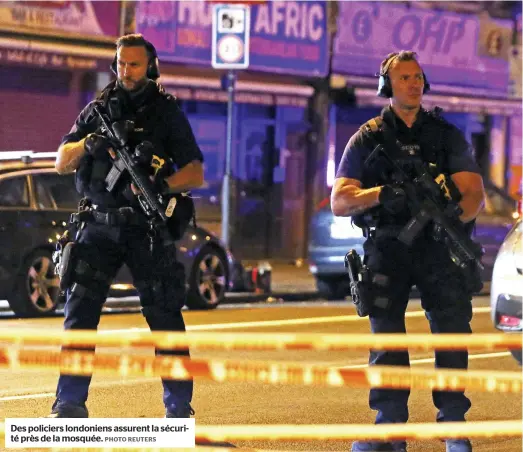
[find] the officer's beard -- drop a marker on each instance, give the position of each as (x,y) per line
(139,85)
(137,97)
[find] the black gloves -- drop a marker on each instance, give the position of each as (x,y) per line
(393,198)
(143,153)
(96,145)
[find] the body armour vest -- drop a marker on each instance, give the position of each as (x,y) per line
(426,146)
(148,114)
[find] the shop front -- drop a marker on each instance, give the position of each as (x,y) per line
(272,148)
(269,165)
(48,69)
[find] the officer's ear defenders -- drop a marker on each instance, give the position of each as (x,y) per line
(153,69)
(384,85)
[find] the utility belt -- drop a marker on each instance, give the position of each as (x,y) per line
(383,231)
(393,231)
(373,225)
(123,216)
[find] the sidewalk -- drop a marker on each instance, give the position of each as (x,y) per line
(291,282)
(288,282)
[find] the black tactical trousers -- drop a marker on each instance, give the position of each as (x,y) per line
(159,278)
(448,307)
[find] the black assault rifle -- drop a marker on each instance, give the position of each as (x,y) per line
(152,202)
(428,204)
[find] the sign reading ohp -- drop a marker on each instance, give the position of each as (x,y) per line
(454,49)
(230,36)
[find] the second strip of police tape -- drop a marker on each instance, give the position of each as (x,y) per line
(264,341)
(125,364)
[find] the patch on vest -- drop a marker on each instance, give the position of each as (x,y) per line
(411,149)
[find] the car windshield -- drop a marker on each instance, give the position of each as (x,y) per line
(14,192)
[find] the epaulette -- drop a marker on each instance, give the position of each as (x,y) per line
(103,96)
(163,92)
(435,114)
(372,125)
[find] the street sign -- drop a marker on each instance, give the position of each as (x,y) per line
(230,36)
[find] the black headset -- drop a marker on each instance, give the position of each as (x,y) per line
(384,85)
(153,68)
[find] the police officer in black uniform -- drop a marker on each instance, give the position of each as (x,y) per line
(116,230)
(378,205)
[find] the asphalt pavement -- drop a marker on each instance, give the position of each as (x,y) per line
(290,281)
(30,394)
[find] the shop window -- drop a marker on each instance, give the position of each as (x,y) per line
(257,111)
(44,81)
(211,134)
(205,108)
(88,88)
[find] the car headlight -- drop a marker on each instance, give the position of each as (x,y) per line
(342,228)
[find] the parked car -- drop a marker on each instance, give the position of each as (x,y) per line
(506,293)
(35,207)
(331,237)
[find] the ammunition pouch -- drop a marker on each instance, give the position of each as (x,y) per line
(83,174)
(91,173)
(473,279)
(366,220)
(471,272)
(184,213)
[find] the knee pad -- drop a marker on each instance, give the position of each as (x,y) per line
(166,291)
(163,319)
(161,295)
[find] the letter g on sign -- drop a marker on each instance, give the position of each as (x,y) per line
(361,26)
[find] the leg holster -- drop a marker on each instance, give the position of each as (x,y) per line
(66,264)
(73,268)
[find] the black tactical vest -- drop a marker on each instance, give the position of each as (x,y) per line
(150,125)
(428,147)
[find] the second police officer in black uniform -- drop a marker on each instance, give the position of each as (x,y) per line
(378,205)
(116,230)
